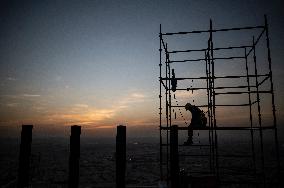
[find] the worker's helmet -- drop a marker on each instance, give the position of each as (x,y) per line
(188,106)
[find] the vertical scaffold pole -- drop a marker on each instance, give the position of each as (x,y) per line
(259,112)
(272,94)
(209,110)
(169,88)
(169,85)
(24,159)
(160,108)
(167,106)
(74,156)
(174,156)
(214,100)
(120,156)
(250,113)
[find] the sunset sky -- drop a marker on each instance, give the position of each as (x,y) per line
(95,63)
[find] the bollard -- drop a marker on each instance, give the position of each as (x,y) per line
(24,159)
(174,159)
(74,156)
(120,156)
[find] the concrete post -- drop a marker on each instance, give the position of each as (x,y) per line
(74,156)
(120,156)
(174,159)
(24,159)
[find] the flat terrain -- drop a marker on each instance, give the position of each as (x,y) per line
(97,162)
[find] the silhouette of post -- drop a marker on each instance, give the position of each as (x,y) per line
(74,156)
(120,156)
(25,153)
(174,159)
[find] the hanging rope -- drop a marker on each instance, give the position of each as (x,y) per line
(179,111)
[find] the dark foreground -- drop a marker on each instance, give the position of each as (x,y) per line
(97,162)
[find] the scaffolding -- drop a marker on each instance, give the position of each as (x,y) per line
(248,89)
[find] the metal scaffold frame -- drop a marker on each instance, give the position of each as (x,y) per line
(252,88)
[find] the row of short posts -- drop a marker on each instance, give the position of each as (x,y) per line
(74,156)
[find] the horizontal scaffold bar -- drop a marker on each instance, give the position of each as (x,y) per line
(201,106)
(203,59)
(222,128)
(255,43)
(206,49)
(161,81)
(214,30)
(181,106)
(241,92)
(264,79)
(215,77)
(188,60)
(224,87)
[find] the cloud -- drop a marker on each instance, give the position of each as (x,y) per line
(25,96)
(21,95)
(105,126)
(11,78)
(12,104)
(30,95)
(132,98)
(39,108)
(137,95)
(58,78)
(85,115)
(81,105)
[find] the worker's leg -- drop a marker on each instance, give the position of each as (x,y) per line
(189,138)
(190,134)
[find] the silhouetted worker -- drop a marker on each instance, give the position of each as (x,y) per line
(174,81)
(198,120)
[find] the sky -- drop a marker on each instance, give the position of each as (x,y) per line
(95,63)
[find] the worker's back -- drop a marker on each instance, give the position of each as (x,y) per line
(198,116)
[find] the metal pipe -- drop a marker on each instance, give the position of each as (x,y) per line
(203,59)
(160,99)
(212,31)
(219,77)
(223,128)
(204,49)
(259,115)
(272,95)
(167,107)
(208,111)
(214,99)
(250,114)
